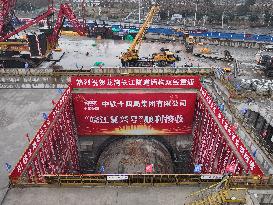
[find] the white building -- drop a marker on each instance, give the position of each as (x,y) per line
(91,3)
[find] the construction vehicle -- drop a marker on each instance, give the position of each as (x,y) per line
(266,63)
(131,57)
(190,43)
(225,56)
(164,57)
(35,47)
(204,51)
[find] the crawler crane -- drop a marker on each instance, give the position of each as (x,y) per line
(36,47)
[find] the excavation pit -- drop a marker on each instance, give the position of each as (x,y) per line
(104,126)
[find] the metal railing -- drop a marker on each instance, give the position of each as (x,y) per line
(107,71)
(265,182)
(236,195)
(50,78)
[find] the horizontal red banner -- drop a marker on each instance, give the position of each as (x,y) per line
(134,114)
(186,82)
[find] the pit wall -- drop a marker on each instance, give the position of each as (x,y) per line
(53,150)
(215,143)
(210,149)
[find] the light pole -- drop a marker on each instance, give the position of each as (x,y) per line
(139,11)
(204,20)
(223,19)
(195,14)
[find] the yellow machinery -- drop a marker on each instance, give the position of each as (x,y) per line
(203,48)
(164,57)
(17,46)
(131,57)
(219,193)
(190,42)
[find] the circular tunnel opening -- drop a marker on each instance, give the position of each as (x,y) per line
(131,155)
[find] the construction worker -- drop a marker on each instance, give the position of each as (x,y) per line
(27,67)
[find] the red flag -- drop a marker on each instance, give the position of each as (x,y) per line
(234,127)
(149,168)
(230,168)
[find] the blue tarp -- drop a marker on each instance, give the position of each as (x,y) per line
(219,35)
(164,31)
(236,36)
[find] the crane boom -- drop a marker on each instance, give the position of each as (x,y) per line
(6,7)
(66,11)
(144,27)
(131,56)
(49,12)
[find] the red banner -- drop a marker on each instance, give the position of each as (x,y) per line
(134,114)
(216,149)
(21,165)
(38,170)
(234,138)
(210,146)
(135,82)
(231,168)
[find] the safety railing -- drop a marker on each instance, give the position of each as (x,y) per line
(237,196)
(229,190)
(107,71)
(265,182)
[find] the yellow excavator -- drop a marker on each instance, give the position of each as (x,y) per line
(190,43)
(131,57)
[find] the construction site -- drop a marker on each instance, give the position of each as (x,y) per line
(94,111)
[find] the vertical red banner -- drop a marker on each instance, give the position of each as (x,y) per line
(221,157)
(234,139)
(38,171)
(210,146)
(30,174)
(216,149)
(226,157)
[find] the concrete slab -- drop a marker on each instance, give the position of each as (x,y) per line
(100,195)
(20,113)
(108,51)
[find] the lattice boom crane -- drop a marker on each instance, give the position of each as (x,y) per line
(65,11)
(39,47)
(6,9)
